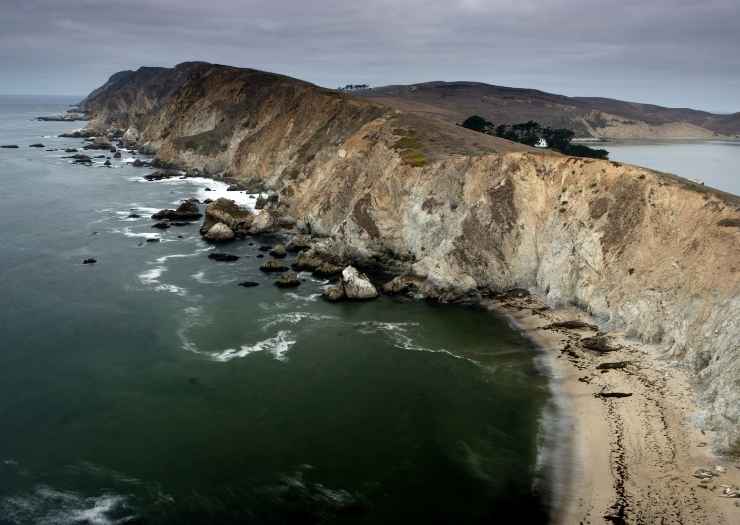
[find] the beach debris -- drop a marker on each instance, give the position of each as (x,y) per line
(603,393)
(704,473)
(614,365)
(719,469)
(729,491)
(598,343)
(572,324)
(613,394)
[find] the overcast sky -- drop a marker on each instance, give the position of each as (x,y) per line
(683,53)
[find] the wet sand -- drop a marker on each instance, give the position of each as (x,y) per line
(631,447)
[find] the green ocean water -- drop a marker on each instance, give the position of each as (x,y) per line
(150,388)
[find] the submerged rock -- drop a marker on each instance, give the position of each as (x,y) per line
(81,159)
(288,280)
(161,175)
(248,284)
(223,257)
(37,145)
(89,261)
(9,146)
(161,225)
(272,266)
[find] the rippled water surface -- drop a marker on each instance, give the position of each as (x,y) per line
(151,388)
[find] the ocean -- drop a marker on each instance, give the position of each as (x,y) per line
(151,388)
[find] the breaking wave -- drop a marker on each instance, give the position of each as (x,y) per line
(398,334)
(277,345)
(294,318)
(151,278)
(48,506)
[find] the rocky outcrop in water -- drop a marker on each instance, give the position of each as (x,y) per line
(460,214)
(187,211)
(219,232)
(352,285)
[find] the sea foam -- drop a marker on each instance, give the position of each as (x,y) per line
(48,506)
(278,346)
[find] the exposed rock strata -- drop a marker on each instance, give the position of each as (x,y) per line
(461,213)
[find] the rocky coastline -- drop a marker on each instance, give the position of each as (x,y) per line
(625,276)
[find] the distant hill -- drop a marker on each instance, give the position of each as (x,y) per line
(592,117)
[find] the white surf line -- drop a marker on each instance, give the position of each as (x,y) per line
(400,339)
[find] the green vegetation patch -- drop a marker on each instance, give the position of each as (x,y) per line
(409,148)
(531,133)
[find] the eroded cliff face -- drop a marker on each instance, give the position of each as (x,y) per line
(644,252)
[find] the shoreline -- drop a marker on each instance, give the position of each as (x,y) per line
(609,461)
(626,459)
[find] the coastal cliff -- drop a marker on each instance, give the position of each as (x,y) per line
(461,214)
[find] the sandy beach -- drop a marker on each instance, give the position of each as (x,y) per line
(632,448)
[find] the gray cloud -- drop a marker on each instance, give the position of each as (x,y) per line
(672,52)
